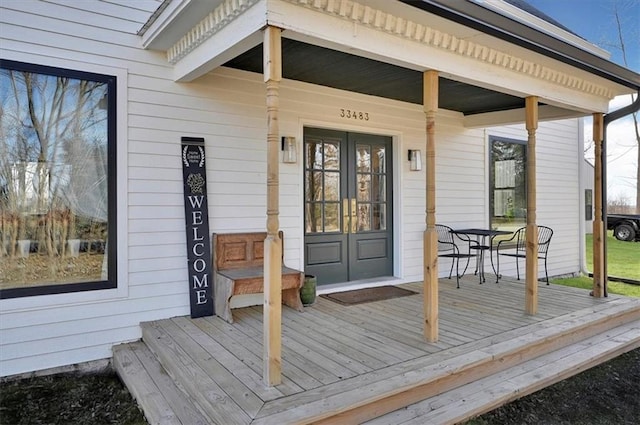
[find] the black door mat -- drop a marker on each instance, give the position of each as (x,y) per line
(368,295)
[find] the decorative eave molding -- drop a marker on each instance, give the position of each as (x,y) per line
(220,17)
(385,22)
(391,24)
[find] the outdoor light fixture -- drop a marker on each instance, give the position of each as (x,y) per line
(289,150)
(415,160)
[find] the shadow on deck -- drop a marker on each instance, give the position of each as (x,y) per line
(369,363)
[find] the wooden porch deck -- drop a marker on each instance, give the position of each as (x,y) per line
(369,362)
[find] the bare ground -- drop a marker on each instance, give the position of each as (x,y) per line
(606,394)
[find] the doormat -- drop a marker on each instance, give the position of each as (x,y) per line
(367,295)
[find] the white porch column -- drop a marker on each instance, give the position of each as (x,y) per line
(598,224)
(272,320)
(430,245)
(531,297)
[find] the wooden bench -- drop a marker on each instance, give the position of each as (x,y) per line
(238,268)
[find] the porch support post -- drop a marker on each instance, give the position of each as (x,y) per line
(430,245)
(531,296)
(598,224)
(272,319)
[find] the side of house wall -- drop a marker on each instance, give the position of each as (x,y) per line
(227,108)
(558,189)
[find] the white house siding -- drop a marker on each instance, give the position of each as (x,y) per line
(558,159)
(227,108)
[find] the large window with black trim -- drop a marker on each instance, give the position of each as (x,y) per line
(57,180)
(508,178)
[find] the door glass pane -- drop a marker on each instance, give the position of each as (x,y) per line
(313,217)
(378,159)
(322,187)
(332,217)
(364,187)
(363,158)
(313,153)
(379,217)
(313,189)
(331,156)
(379,191)
(331,186)
(364,217)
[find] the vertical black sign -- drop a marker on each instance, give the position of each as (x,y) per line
(196,214)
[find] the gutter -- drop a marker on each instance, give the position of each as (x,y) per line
(608,119)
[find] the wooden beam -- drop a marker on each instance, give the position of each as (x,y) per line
(430,245)
(598,223)
(272,320)
(531,296)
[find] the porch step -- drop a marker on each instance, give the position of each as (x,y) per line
(493,391)
(176,378)
(161,400)
(368,396)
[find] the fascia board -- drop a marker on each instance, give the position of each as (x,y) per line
(240,35)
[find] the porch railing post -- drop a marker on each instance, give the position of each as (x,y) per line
(430,245)
(598,224)
(531,296)
(272,312)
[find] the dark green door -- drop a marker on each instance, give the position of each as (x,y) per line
(348,208)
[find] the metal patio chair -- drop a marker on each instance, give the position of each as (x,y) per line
(448,247)
(519,250)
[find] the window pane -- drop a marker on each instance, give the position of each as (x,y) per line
(364,187)
(53,178)
(313,219)
(379,217)
(364,217)
(379,190)
(332,217)
(331,186)
(313,151)
(331,156)
(363,158)
(313,186)
(378,159)
(508,197)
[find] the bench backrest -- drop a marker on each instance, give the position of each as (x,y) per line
(239,250)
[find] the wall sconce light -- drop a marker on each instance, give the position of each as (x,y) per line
(415,160)
(289,150)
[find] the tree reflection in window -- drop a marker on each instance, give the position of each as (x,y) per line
(54,178)
(322,186)
(508,195)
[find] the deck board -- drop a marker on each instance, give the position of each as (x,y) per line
(207,392)
(334,354)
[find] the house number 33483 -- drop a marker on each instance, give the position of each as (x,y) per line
(354,115)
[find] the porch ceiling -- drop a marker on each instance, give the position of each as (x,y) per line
(326,67)
(380,48)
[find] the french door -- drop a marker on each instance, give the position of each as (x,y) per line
(348,205)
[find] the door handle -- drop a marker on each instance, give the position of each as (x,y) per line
(345,216)
(354,216)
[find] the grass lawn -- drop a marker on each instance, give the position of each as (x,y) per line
(623,258)
(623,261)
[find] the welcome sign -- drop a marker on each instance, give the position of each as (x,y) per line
(196,214)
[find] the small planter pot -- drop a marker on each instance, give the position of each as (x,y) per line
(308,290)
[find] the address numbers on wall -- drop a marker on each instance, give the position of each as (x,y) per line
(354,115)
